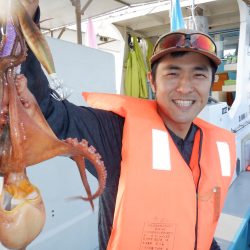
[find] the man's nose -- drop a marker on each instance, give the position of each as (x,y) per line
(185,84)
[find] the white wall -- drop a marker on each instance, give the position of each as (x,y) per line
(71,225)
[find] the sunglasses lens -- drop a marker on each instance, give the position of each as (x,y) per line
(197,41)
(171,41)
(203,42)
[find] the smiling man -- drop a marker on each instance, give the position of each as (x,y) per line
(182,84)
(167,171)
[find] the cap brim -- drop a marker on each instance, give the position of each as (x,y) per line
(164,52)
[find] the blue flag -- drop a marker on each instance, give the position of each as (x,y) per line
(177,21)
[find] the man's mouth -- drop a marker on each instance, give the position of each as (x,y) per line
(184,103)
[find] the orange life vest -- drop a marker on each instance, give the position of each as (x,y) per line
(162,203)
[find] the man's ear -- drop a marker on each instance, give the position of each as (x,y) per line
(152,83)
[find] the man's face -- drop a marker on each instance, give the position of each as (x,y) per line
(182,86)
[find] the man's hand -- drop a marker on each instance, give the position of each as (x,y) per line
(30,6)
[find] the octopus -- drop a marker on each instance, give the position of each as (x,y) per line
(25,136)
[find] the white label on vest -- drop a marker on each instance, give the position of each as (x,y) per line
(224,154)
(161,154)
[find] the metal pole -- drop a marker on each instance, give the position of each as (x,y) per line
(86,6)
(61,32)
(123,2)
(77,4)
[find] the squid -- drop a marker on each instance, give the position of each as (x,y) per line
(25,136)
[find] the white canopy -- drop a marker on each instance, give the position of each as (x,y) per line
(62,12)
(221,14)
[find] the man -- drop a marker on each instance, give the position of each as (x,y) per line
(166,175)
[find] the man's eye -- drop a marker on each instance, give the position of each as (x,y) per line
(172,74)
(200,75)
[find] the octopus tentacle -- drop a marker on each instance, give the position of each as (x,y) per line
(90,153)
(3,104)
(17,56)
(81,166)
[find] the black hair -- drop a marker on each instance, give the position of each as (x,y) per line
(180,54)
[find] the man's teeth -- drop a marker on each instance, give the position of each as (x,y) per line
(183,103)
